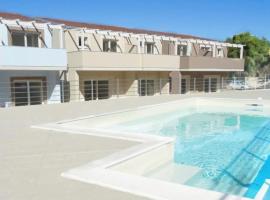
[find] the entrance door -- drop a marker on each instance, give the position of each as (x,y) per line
(27,92)
(206,84)
(20,93)
(214,84)
(103,89)
(210,84)
(183,86)
(96,89)
(90,92)
(146,87)
(35,92)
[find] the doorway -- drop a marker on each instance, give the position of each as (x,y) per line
(210,84)
(146,87)
(96,89)
(27,92)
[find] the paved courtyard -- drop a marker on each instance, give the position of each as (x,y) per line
(32,160)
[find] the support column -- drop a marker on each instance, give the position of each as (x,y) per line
(75,86)
(241,52)
(176,82)
(130,84)
(189,48)
(214,50)
(139,45)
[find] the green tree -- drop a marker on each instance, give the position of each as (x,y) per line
(256,52)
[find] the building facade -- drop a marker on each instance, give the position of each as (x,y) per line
(31,60)
(61,60)
(109,61)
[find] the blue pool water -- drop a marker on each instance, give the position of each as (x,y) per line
(231,150)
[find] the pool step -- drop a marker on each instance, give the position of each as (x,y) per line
(172,172)
(253,158)
(263,174)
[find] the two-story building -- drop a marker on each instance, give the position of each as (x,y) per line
(32,58)
(46,60)
(109,61)
(205,65)
(105,62)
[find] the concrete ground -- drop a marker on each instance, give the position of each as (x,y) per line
(31,160)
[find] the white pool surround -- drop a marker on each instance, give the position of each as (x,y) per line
(123,170)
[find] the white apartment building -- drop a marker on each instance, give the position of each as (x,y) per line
(99,62)
(32,58)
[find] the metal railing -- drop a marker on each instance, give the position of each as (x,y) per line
(33,92)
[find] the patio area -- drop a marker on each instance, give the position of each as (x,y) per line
(32,159)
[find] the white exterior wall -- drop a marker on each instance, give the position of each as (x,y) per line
(48,38)
(53,87)
(3,35)
(30,58)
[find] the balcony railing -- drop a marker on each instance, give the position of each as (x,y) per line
(87,60)
(30,58)
(200,63)
(111,61)
(23,94)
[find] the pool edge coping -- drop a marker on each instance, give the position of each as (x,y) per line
(150,143)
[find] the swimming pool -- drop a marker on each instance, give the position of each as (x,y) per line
(228,148)
(218,146)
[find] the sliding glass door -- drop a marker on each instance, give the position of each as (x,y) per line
(146,87)
(210,84)
(27,92)
(96,89)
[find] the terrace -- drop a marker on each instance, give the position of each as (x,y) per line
(35,158)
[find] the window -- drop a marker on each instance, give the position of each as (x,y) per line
(24,39)
(146,87)
(82,41)
(106,45)
(32,40)
(27,92)
(210,84)
(182,50)
(17,39)
(149,48)
(183,86)
(85,40)
(219,52)
(110,45)
(96,89)
(206,48)
(113,46)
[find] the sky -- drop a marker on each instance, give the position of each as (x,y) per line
(215,19)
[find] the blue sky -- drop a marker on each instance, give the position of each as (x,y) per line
(217,19)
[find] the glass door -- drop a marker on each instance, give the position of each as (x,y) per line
(90,90)
(20,91)
(150,87)
(146,87)
(35,92)
(142,87)
(183,86)
(206,83)
(210,84)
(27,92)
(103,89)
(214,84)
(96,89)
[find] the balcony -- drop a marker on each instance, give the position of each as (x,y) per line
(211,64)
(29,58)
(109,61)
